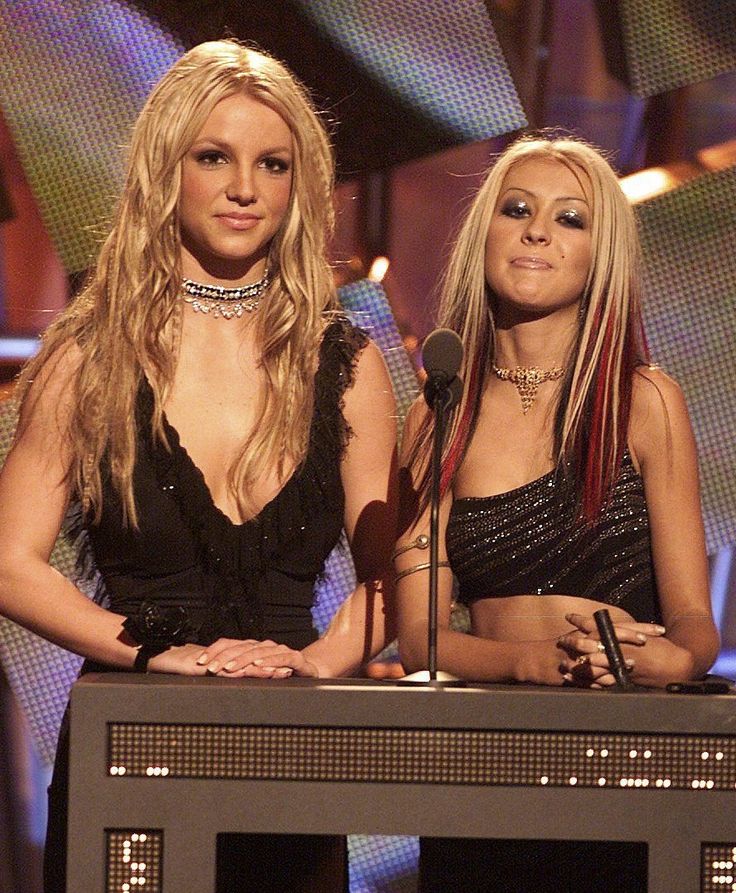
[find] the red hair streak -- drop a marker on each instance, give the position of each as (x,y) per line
(457,447)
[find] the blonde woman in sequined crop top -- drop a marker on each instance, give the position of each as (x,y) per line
(569,475)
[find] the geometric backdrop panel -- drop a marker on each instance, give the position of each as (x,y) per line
(689,243)
(441,58)
(75,75)
(669,43)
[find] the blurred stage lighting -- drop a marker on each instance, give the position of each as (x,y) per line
(378,269)
(653,181)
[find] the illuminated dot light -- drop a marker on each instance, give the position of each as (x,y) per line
(135,865)
(579,769)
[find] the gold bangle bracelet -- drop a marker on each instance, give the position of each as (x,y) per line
(418,567)
(421,542)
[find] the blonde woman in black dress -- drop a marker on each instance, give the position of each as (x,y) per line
(217,418)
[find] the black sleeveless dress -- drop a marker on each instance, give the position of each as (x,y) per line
(252,580)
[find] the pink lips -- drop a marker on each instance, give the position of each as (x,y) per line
(239,221)
(531,263)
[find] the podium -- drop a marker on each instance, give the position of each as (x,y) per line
(159,765)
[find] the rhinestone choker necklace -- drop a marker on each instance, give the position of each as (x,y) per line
(224,302)
(526,380)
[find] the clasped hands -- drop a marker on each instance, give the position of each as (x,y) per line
(234,659)
(586,664)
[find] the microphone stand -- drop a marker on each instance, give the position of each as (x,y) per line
(441,396)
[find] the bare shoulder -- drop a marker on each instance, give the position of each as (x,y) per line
(659,415)
(371,392)
(370,362)
(49,396)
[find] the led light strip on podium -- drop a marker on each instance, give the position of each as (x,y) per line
(161,764)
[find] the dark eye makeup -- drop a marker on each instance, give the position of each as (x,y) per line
(276,165)
(517,208)
(573,218)
(210,157)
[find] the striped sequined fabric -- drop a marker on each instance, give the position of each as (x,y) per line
(528,541)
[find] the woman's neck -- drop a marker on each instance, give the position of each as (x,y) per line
(543,341)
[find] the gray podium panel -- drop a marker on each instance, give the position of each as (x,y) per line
(161,764)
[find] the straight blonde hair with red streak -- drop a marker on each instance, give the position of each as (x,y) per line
(592,415)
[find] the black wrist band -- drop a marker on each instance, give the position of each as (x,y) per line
(157,629)
(144,654)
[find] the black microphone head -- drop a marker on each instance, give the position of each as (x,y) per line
(442,354)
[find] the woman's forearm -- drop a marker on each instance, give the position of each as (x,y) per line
(483,660)
(361,627)
(699,637)
(38,597)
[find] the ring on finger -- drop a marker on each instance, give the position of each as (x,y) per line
(601,647)
(583,660)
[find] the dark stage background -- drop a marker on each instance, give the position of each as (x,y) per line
(421,94)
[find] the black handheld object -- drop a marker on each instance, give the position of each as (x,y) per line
(613,650)
(442,354)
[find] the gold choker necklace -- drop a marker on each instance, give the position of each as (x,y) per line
(526,380)
(224,302)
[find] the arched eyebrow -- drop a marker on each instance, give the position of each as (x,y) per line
(561,198)
(226,145)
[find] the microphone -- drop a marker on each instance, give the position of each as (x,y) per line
(442,354)
(613,650)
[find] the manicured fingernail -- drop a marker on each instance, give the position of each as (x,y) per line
(640,637)
(660,629)
(202,659)
(282,672)
(229,665)
(629,663)
(567,677)
(214,666)
(259,662)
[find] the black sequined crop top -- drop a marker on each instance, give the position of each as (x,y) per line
(528,541)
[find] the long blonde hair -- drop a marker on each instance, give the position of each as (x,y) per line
(592,416)
(126,320)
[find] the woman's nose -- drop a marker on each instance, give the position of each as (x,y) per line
(536,232)
(241,188)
